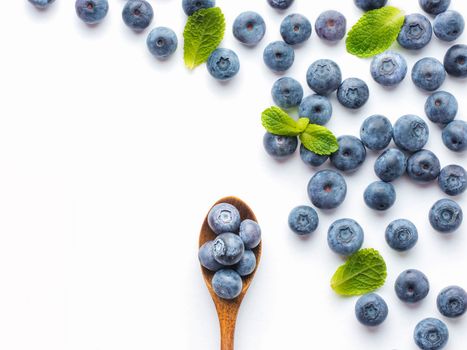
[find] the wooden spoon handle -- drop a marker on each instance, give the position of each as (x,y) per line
(227,324)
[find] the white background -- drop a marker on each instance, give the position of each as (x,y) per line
(110,159)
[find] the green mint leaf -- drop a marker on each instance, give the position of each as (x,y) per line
(278,122)
(362,273)
(319,140)
(203,33)
(375,31)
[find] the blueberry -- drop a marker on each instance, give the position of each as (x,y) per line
(423,166)
(227,284)
(247,264)
(452,302)
(388,68)
(441,107)
(353,93)
(327,189)
(41,4)
(390,165)
(137,14)
(380,195)
(449,25)
(280,146)
(331,25)
(206,257)
(224,217)
(401,235)
(191,6)
(162,42)
(455,136)
(455,61)
(228,249)
(223,64)
(249,28)
(91,11)
(434,7)
(303,220)
(371,310)
(311,158)
(324,76)
(416,32)
(350,155)
(295,29)
(431,334)
(280,4)
(278,56)
(428,74)
(446,216)
(411,133)
(453,180)
(345,237)
(250,233)
(317,108)
(376,132)
(367,5)
(412,286)
(287,92)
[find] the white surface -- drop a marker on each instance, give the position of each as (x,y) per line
(110,159)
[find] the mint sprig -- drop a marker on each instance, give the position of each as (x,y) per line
(203,33)
(278,122)
(375,31)
(315,138)
(319,140)
(363,272)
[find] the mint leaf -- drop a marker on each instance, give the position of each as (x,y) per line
(362,273)
(278,122)
(318,139)
(203,33)
(375,31)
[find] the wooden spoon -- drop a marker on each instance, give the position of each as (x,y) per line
(227,310)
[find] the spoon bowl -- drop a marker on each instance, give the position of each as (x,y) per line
(227,310)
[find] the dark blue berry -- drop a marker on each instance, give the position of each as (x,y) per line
(350,155)
(423,166)
(345,237)
(380,195)
(412,286)
(401,235)
(416,32)
(446,216)
(317,108)
(137,14)
(280,146)
(390,165)
(295,29)
(278,56)
(287,93)
(327,189)
(353,93)
(452,180)
(249,28)
(376,132)
(303,220)
(371,310)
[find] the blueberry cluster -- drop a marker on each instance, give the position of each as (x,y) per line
(327,189)
(230,255)
(411,287)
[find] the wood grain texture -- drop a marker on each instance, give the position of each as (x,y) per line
(227,310)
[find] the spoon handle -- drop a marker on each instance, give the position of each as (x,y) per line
(227,324)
